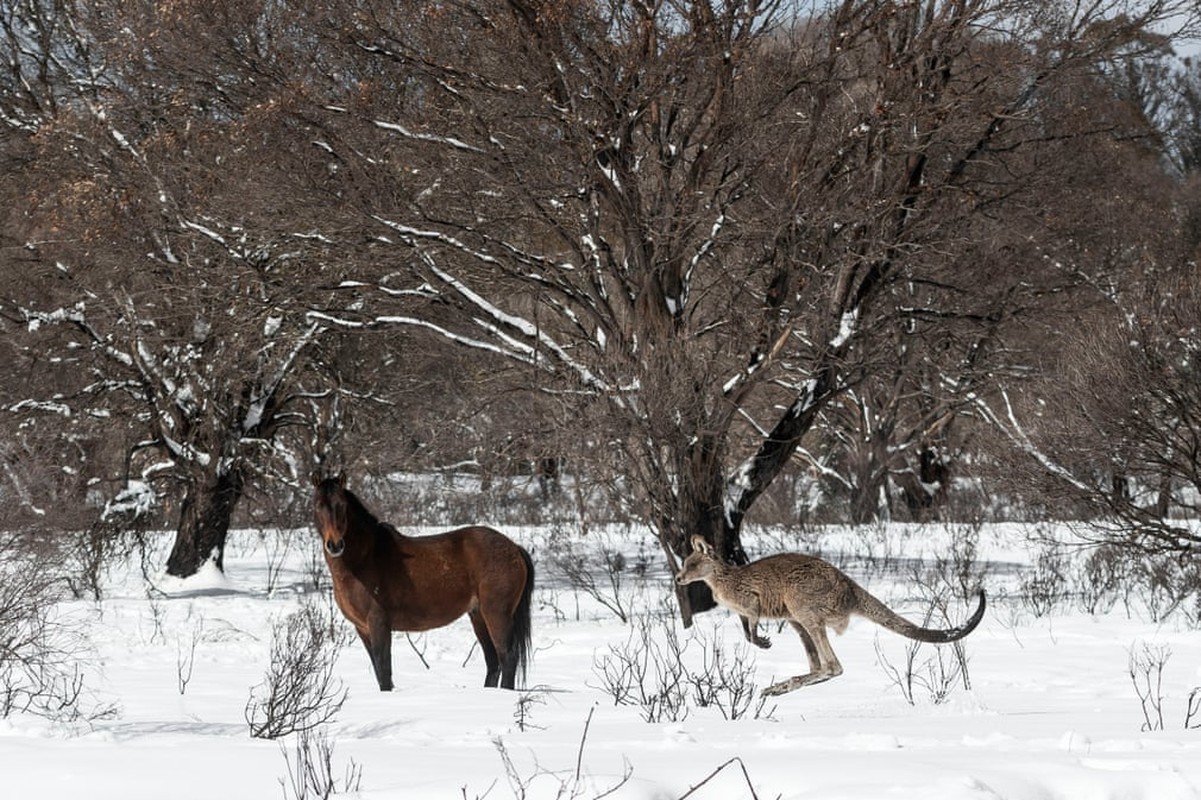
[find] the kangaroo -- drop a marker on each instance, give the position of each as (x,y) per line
(812,595)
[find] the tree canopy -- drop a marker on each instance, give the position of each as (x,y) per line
(706,242)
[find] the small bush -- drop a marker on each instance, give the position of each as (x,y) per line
(1103,579)
(1045,586)
(651,670)
(940,671)
(310,765)
(299,692)
(604,578)
(1146,667)
(1168,583)
(40,653)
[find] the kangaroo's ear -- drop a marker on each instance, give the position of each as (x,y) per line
(699,545)
(315,477)
(341,478)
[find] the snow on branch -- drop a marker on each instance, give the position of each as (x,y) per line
(182,451)
(75,316)
(137,499)
(449,141)
(737,487)
(206,232)
(382,321)
(523,326)
(120,138)
(418,234)
(706,247)
(258,403)
(45,406)
(758,362)
(502,320)
(1016,434)
(847,326)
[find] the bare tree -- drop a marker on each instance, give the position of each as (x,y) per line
(698,216)
(1120,438)
(155,247)
(1107,428)
(687,227)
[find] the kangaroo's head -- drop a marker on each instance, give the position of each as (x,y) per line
(700,564)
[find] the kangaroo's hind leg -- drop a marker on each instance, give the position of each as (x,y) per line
(823,664)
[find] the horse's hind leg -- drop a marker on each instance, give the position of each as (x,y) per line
(508,676)
(497,628)
(504,600)
(491,657)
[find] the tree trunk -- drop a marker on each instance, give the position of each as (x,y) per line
(1163,498)
(700,511)
(707,522)
(204,520)
(869,497)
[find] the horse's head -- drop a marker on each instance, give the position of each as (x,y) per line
(331,512)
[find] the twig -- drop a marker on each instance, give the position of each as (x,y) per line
(185,661)
(746,776)
(1146,673)
(579,757)
(1194,709)
(421,655)
(469,654)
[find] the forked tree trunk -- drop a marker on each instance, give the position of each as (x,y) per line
(675,536)
(718,502)
(701,511)
(204,520)
(696,598)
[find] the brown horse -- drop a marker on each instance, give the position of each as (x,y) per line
(385,581)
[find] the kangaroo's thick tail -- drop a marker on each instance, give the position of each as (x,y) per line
(881,614)
(519,641)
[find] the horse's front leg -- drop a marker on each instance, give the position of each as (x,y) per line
(378,642)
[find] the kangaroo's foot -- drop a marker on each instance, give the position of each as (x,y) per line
(796,682)
(761,641)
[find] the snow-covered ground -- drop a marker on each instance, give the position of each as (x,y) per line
(1051,712)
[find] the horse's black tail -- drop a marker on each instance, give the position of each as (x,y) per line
(519,641)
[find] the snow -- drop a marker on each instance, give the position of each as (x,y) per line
(136,500)
(205,231)
(846,328)
(264,393)
(737,487)
(209,579)
(1051,713)
(611,175)
(806,398)
(61,409)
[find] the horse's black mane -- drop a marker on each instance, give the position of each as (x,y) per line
(357,509)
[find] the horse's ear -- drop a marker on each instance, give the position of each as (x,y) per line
(699,545)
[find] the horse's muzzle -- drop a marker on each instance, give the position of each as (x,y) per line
(334,547)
